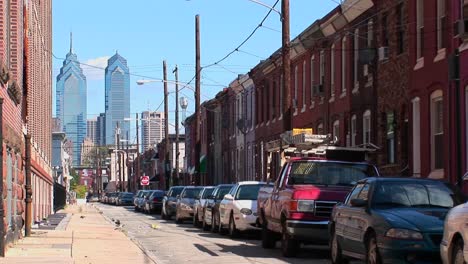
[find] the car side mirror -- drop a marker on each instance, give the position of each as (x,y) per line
(358,203)
(178,197)
(228,197)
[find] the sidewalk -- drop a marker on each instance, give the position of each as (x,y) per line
(88,238)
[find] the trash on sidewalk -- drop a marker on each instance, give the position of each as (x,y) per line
(154,226)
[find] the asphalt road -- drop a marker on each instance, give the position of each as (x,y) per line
(168,242)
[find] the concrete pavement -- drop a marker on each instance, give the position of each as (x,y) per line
(88,238)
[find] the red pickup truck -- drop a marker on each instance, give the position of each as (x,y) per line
(297,209)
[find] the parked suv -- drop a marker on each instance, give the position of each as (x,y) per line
(299,207)
(170,201)
(186,202)
(211,214)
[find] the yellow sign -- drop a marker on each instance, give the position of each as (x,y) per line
(298,131)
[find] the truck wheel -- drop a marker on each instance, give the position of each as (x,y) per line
(268,239)
(289,246)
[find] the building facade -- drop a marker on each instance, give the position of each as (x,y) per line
(71,104)
(117,97)
(101,129)
(92,130)
(152,128)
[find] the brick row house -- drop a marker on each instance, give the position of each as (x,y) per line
(26,91)
(370,72)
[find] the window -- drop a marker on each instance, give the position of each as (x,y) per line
(295,88)
(353,130)
(416,136)
(281,95)
(400,28)
(385,30)
(312,77)
(364,194)
(437,130)
(366,126)
(336,129)
(322,67)
(304,84)
(419,28)
(274,108)
(343,65)
(320,129)
(370,33)
(441,24)
(354,193)
(390,138)
(332,71)
(465,18)
(356,54)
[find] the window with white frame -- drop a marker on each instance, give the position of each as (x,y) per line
(356,54)
(353,130)
(332,71)
(441,23)
(336,129)
(419,28)
(322,67)
(343,65)
(312,77)
(320,129)
(304,75)
(366,127)
(295,87)
(370,33)
(437,130)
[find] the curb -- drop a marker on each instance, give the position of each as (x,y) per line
(64,223)
(148,253)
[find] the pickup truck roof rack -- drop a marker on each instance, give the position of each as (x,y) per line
(319,146)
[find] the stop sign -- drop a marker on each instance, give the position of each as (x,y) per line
(144,180)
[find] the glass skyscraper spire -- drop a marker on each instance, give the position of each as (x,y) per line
(71,102)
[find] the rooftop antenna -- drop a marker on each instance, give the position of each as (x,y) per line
(71,41)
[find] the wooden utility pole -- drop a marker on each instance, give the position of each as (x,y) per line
(137,178)
(287,115)
(176,71)
(167,171)
(197,101)
(118,156)
(129,188)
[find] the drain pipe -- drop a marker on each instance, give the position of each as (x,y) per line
(2,226)
(28,200)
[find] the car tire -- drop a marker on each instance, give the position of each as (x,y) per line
(289,246)
(233,232)
(136,208)
(214,226)
(336,252)
(221,229)
(163,214)
(372,254)
(195,220)
(177,219)
(457,253)
(268,238)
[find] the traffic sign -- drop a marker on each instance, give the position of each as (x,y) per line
(144,180)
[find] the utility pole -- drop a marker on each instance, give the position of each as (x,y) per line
(454,74)
(176,70)
(287,118)
(166,130)
(126,166)
(28,211)
(197,101)
(118,156)
(137,178)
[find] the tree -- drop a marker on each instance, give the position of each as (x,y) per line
(75,181)
(80,191)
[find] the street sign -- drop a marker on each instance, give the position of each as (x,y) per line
(144,180)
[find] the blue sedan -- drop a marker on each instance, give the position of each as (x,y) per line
(392,220)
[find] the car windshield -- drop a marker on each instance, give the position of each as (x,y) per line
(248,192)
(223,191)
(176,191)
(158,194)
(329,173)
(414,194)
(207,192)
(191,192)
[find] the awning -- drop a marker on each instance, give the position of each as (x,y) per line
(203,161)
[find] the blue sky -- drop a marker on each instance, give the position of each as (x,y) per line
(146,32)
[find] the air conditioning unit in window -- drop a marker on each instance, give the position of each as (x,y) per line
(318,89)
(383,53)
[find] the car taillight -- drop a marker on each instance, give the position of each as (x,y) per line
(155,199)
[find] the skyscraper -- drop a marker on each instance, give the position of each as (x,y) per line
(101,129)
(71,102)
(117,97)
(152,128)
(92,130)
